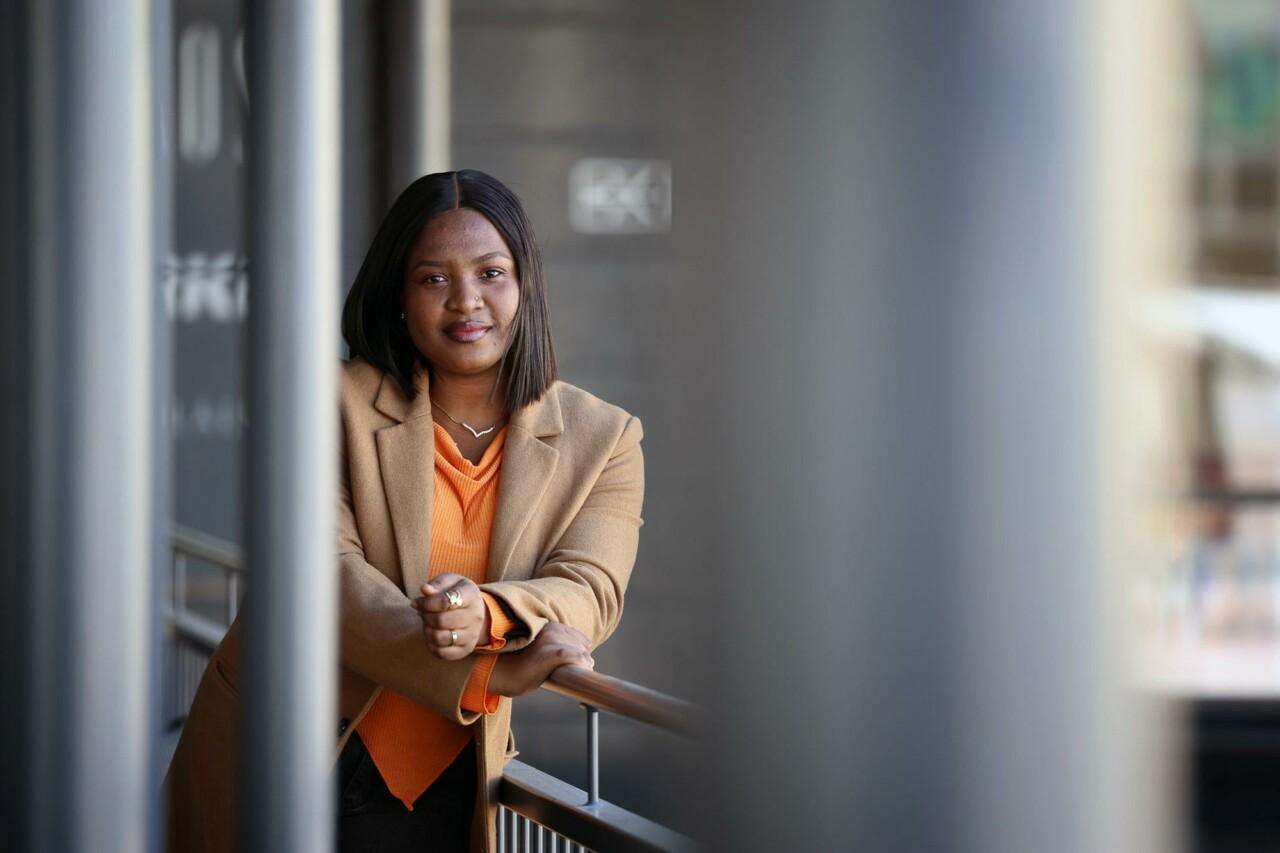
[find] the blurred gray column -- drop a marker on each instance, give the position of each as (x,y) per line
(889,320)
(89,230)
(419,111)
(111,296)
(291,606)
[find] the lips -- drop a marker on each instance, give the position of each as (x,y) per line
(466,331)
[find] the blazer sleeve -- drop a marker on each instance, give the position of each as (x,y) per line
(381,634)
(583,579)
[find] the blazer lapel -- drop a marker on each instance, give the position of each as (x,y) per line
(406,455)
(406,458)
(528,463)
(527,466)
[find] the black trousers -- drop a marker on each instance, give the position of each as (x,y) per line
(370,818)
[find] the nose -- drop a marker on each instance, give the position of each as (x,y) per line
(464,295)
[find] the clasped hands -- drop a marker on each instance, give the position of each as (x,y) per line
(455,620)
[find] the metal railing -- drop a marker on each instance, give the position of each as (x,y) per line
(537,812)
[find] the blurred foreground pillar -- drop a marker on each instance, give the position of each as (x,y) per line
(291,607)
(79,468)
(893,332)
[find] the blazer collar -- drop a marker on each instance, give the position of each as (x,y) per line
(407,462)
(542,418)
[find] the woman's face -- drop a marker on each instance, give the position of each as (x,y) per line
(461,293)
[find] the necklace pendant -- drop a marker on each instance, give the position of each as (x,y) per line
(468,427)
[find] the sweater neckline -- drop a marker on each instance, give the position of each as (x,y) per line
(447,449)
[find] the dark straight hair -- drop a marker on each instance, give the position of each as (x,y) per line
(371,321)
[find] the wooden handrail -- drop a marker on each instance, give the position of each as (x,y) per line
(624,699)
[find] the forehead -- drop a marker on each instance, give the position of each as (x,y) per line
(460,235)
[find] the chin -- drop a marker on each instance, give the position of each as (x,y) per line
(469,367)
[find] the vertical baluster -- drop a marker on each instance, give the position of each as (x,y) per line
(233,594)
(593,755)
(179,582)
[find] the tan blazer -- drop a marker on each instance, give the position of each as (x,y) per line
(564,542)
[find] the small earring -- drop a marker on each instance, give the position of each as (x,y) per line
(401,315)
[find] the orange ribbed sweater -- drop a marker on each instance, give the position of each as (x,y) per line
(411,745)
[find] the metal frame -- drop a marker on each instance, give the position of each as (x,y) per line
(597,825)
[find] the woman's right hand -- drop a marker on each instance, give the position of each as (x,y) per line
(518,673)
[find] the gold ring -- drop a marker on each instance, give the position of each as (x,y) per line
(455,599)
(453,638)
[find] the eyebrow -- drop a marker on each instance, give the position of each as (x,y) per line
(490,255)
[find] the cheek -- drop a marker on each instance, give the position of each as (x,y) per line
(422,310)
(506,305)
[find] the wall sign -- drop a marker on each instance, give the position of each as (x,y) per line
(616,196)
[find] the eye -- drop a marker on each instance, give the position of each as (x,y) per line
(493,272)
(434,278)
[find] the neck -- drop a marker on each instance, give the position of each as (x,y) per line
(469,398)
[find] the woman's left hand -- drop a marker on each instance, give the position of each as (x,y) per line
(454,617)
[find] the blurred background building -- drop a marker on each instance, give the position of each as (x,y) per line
(953,330)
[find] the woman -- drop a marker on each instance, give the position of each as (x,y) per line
(489,516)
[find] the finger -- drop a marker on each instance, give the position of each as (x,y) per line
(439,600)
(449,652)
(441,582)
(570,653)
(578,636)
(436,603)
(456,619)
(444,580)
(445,639)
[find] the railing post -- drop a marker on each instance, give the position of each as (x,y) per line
(233,596)
(179,583)
(593,754)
